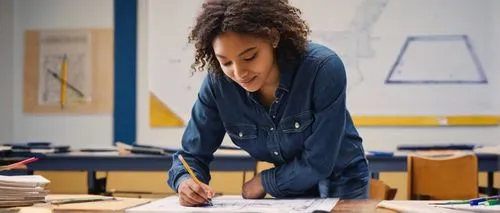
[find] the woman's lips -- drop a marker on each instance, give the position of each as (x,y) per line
(248,82)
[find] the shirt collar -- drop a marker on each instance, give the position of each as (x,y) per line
(287,72)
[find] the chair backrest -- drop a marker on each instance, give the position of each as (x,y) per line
(381,191)
(442,175)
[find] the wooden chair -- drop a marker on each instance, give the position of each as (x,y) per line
(442,175)
(381,191)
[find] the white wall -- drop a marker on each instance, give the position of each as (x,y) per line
(495,47)
(77,131)
(169,137)
(376,138)
(385,138)
(6,48)
(80,131)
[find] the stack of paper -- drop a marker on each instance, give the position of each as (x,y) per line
(22,190)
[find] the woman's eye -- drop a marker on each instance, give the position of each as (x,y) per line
(226,64)
(250,58)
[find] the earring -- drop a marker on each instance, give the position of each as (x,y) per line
(275,44)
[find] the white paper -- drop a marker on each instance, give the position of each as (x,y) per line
(416,206)
(23,180)
(469,208)
(4,148)
(231,152)
(76,45)
(230,203)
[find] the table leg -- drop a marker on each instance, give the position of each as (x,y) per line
(489,186)
(375,175)
(91,181)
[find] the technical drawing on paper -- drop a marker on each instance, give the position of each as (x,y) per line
(437,59)
(354,43)
(229,203)
(54,46)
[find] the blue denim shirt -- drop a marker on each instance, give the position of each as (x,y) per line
(307,133)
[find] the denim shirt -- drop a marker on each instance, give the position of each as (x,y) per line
(307,132)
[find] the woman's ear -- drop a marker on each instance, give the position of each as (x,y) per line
(274,36)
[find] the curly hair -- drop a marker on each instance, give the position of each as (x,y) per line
(251,17)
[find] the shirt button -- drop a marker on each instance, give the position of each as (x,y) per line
(276,101)
(274,116)
(272,129)
(297,125)
(275,153)
(240,134)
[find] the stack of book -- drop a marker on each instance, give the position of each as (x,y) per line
(22,190)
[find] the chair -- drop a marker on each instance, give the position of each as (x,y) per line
(381,191)
(442,175)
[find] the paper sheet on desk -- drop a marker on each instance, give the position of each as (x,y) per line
(231,152)
(469,208)
(238,204)
(405,206)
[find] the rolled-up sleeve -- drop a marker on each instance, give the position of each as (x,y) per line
(317,160)
(201,138)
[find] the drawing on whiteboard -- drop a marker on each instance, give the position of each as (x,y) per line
(437,59)
(354,43)
(53,47)
(232,203)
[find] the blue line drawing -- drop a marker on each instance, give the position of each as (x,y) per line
(437,59)
(354,43)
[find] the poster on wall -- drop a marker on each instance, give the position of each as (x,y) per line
(68,71)
(65,59)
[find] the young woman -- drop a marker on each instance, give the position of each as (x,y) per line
(279,97)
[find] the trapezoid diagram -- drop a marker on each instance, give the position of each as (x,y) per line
(437,59)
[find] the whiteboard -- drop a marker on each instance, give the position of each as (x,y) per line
(402,57)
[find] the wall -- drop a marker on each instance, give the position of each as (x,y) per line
(97,130)
(6,47)
(145,134)
(380,138)
(495,47)
(77,131)
(387,138)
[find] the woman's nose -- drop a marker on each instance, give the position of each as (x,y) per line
(240,72)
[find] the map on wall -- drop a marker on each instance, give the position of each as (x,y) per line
(402,57)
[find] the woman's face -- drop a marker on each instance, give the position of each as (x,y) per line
(247,60)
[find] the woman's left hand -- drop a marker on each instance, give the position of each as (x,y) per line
(253,189)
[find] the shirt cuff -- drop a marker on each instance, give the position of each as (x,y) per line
(268,179)
(180,180)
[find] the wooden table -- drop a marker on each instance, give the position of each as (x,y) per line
(362,206)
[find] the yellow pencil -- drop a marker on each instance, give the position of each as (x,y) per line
(64,77)
(191,173)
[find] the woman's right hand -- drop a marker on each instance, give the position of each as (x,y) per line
(193,194)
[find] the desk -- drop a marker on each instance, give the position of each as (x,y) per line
(113,162)
(92,162)
(360,206)
(489,163)
(342,206)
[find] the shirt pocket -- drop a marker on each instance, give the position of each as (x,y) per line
(241,132)
(297,123)
(295,129)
